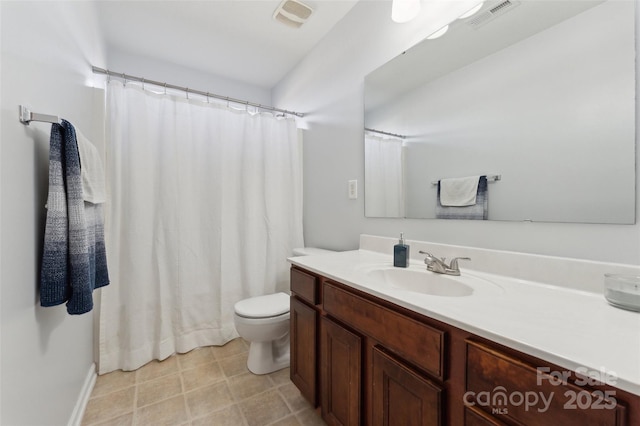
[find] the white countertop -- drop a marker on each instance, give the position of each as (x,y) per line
(577,330)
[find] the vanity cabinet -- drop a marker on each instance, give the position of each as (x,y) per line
(376,363)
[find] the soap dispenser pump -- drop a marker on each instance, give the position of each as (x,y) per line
(401,253)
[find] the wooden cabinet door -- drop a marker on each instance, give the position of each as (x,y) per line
(401,396)
(341,366)
(303,321)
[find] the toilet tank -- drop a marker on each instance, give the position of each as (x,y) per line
(310,251)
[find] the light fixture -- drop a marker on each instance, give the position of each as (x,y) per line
(404,10)
(471,11)
(438,33)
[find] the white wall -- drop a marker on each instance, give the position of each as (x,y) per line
(47,52)
(154,69)
(328,85)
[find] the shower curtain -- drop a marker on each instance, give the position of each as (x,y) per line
(205,205)
(384,176)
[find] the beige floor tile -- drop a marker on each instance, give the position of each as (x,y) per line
(156,390)
(230,416)
(209,398)
(234,365)
(170,412)
(248,385)
(126,420)
(264,408)
(109,406)
(293,397)
(280,377)
(205,387)
(287,421)
(156,369)
(309,417)
(113,381)
(234,347)
(196,357)
(202,375)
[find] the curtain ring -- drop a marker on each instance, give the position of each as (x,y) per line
(124,77)
(187,90)
(143,84)
(207,97)
(165,88)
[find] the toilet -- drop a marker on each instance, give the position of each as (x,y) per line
(264,322)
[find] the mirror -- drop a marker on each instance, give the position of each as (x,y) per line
(539,93)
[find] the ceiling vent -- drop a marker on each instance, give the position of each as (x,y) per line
(292,13)
(492,13)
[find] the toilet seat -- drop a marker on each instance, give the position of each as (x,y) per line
(270,305)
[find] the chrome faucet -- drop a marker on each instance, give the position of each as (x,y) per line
(439,266)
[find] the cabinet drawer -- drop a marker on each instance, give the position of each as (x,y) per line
(414,341)
(516,391)
(304,285)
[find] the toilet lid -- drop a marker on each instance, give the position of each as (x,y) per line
(267,306)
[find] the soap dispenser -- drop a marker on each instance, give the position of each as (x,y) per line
(401,253)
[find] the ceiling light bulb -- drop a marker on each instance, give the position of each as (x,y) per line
(471,11)
(404,10)
(439,33)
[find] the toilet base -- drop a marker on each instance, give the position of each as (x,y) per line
(267,357)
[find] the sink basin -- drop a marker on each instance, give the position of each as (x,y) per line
(419,280)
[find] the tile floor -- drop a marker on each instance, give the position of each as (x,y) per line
(207,386)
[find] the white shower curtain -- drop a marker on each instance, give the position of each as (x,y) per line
(384,176)
(205,205)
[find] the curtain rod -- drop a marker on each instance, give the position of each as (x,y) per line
(98,70)
(385,133)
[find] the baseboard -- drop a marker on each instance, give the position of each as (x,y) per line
(83,399)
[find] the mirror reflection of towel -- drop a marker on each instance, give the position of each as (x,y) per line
(477,211)
(459,192)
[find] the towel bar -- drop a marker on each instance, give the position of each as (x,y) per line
(26,116)
(490,178)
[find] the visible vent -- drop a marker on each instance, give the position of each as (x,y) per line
(491,14)
(292,13)
(501,6)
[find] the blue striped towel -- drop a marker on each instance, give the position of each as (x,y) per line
(74,260)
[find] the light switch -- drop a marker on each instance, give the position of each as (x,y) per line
(353,189)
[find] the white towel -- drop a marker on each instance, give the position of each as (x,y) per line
(459,192)
(92,171)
